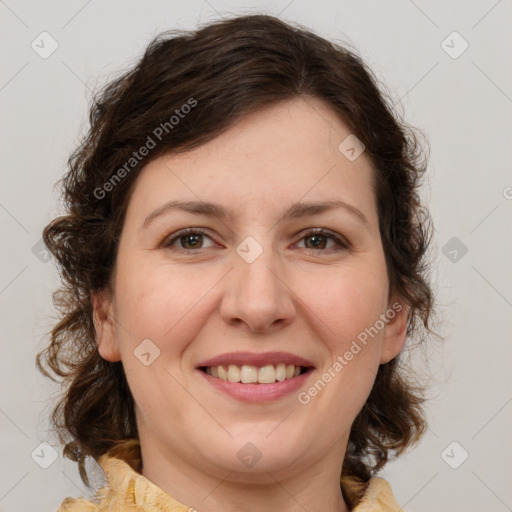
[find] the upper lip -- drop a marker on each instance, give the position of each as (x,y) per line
(250,358)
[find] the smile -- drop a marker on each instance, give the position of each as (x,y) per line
(250,374)
(256,392)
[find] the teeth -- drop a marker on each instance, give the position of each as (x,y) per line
(249,374)
(267,374)
(223,374)
(281,372)
(233,373)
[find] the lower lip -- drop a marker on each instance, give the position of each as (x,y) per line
(258,392)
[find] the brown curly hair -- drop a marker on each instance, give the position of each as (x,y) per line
(229,68)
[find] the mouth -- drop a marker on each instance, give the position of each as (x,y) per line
(252,374)
(256,377)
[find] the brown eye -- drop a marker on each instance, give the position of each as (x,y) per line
(191,241)
(319,239)
(187,240)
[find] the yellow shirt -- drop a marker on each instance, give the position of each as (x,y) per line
(129,491)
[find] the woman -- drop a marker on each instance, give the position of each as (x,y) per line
(243,258)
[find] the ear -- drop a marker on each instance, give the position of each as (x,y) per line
(104,325)
(396,330)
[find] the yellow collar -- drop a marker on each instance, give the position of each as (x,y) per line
(128,490)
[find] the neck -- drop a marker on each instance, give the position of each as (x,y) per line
(314,488)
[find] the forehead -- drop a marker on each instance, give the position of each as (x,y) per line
(269,159)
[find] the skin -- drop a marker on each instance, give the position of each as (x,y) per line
(311,300)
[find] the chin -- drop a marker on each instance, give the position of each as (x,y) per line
(252,455)
(248,465)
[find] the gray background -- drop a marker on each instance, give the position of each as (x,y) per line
(463,102)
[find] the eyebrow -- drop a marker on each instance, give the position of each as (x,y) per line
(295,211)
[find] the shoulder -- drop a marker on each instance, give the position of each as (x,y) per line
(104,501)
(78,505)
(127,490)
(372,496)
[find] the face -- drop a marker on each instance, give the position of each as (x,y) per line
(261,281)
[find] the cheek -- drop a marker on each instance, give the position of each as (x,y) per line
(351,309)
(162,305)
(152,301)
(349,301)
(353,306)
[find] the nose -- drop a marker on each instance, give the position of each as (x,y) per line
(257,296)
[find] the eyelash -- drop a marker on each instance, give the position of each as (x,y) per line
(342,243)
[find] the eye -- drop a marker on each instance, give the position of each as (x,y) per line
(319,238)
(190,239)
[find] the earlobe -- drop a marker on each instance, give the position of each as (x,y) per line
(103,318)
(396,330)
